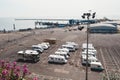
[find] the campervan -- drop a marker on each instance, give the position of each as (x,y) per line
(84,46)
(96,66)
(46,43)
(91,50)
(37,48)
(70,47)
(62,54)
(90,59)
(56,59)
(89,53)
(29,55)
(73,44)
(63,50)
(44,46)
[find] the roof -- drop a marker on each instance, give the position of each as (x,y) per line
(89,57)
(56,56)
(102,25)
(96,63)
(90,45)
(90,53)
(58,52)
(28,52)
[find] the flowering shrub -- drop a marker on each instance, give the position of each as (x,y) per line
(11,71)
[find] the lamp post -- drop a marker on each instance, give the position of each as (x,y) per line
(88,24)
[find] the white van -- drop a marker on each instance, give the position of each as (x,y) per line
(63,50)
(70,47)
(90,59)
(56,59)
(47,43)
(96,66)
(44,46)
(73,44)
(90,46)
(29,55)
(91,50)
(37,48)
(62,54)
(89,53)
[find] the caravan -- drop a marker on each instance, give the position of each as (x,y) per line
(57,59)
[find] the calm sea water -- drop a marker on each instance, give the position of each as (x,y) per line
(7,24)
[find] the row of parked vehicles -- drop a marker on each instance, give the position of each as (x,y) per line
(93,62)
(33,54)
(63,53)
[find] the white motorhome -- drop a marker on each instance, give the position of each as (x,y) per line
(38,48)
(91,50)
(89,53)
(28,55)
(73,44)
(96,66)
(44,46)
(70,47)
(46,43)
(62,54)
(90,46)
(63,50)
(56,59)
(90,59)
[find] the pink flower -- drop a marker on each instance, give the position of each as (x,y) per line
(17,69)
(25,70)
(4,72)
(35,78)
(24,66)
(8,66)
(14,64)
(2,63)
(17,74)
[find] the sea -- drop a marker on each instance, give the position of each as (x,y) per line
(8,24)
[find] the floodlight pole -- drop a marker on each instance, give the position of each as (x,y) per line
(87,51)
(88,24)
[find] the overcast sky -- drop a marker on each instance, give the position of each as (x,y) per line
(59,8)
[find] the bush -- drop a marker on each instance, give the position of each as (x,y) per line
(11,71)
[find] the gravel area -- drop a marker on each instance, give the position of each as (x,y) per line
(10,43)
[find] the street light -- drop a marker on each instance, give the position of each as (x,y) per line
(88,15)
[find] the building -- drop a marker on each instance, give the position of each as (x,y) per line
(102,28)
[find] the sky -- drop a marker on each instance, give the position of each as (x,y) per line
(59,8)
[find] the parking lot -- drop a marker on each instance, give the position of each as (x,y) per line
(107,46)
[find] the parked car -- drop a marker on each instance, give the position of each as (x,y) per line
(96,66)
